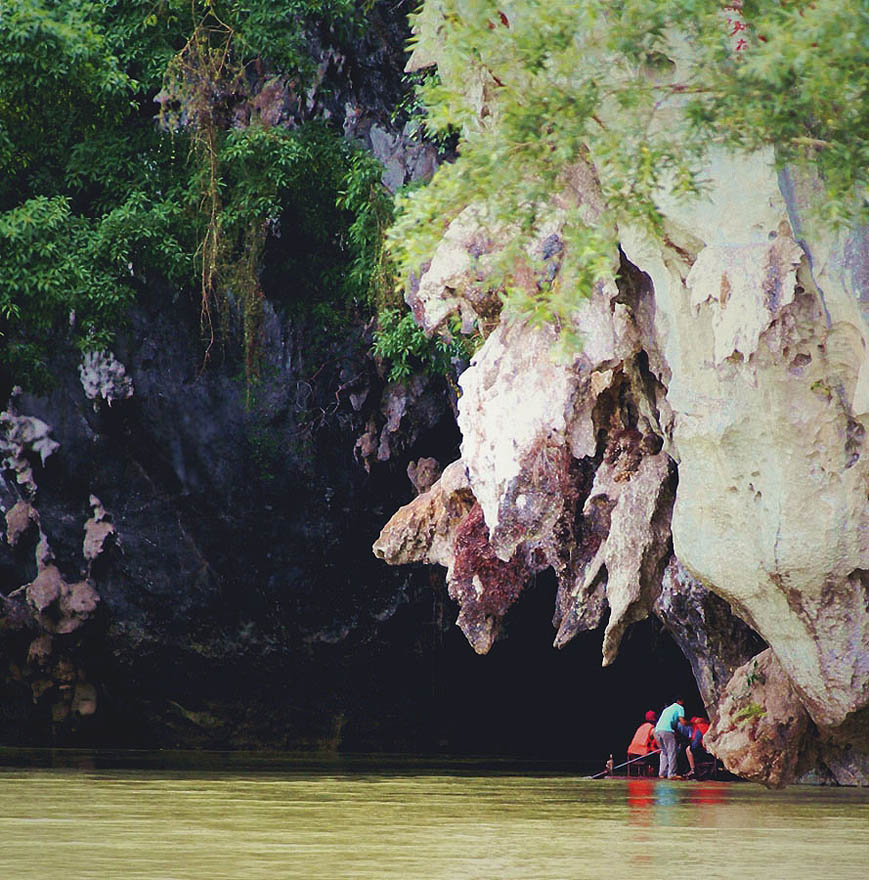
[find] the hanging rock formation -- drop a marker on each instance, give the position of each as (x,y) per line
(714,640)
(715,423)
(48,609)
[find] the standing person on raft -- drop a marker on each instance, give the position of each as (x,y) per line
(665,734)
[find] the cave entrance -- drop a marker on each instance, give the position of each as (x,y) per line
(528,700)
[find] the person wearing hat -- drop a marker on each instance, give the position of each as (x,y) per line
(643,743)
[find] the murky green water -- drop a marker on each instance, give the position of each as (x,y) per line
(313,823)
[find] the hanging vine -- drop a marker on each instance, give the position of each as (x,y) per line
(203,84)
(251,169)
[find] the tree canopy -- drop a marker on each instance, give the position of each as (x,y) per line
(125,156)
(100,192)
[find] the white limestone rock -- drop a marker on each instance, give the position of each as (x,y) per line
(755,328)
(454,280)
(761,730)
(516,405)
(634,485)
(19,519)
(104,377)
(97,531)
(20,436)
(771,511)
(749,285)
(424,530)
(60,607)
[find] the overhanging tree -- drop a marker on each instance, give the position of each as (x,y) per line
(641,89)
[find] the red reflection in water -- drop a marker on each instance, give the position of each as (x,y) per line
(653,803)
(641,798)
(649,800)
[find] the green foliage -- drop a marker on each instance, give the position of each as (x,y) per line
(369,204)
(109,200)
(537,88)
(754,676)
(146,34)
(802,87)
(62,269)
(402,343)
(55,64)
(277,32)
(324,206)
(296,182)
(245,170)
(327,194)
(748,714)
(88,188)
(411,112)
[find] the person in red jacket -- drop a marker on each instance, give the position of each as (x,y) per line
(694,749)
(643,743)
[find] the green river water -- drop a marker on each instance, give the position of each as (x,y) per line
(81,822)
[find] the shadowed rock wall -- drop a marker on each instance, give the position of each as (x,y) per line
(181,563)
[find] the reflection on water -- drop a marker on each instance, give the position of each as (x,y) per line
(90,824)
(648,799)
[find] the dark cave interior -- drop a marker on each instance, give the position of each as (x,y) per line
(525,699)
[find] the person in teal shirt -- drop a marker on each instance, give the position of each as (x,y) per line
(665,734)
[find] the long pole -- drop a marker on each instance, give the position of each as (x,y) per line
(619,767)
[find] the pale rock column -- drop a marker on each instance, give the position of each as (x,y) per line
(769,430)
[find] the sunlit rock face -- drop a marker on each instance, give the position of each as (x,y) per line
(715,420)
(516,405)
(454,281)
(534,464)
(768,429)
(425,529)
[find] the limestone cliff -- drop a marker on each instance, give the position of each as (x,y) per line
(712,427)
